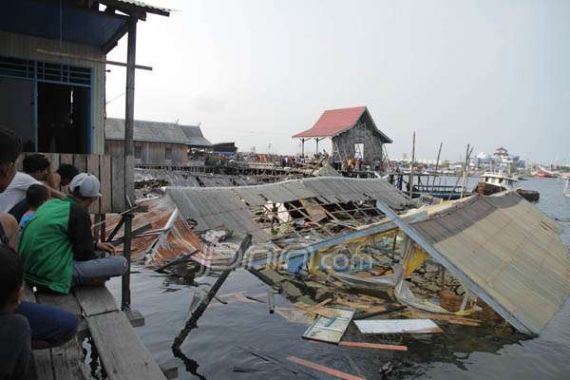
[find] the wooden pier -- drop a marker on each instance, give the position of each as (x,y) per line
(121,353)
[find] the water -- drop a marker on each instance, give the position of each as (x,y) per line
(228,333)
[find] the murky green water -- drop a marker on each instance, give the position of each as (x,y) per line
(222,346)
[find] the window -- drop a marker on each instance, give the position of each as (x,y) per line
(168,154)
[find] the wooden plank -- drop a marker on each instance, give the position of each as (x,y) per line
(321,368)
(93,168)
(66,158)
(106,184)
(95,300)
(398,326)
(68,361)
(53,161)
(376,346)
(80,162)
(118,184)
(122,353)
(65,302)
(42,368)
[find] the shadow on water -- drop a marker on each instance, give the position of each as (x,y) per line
(190,364)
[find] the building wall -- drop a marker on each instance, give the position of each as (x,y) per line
(152,154)
(363,133)
(25,47)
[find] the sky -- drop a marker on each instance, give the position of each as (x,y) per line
(483,72)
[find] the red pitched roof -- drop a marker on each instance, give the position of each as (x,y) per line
(333,122)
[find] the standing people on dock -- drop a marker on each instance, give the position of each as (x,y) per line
(58,247)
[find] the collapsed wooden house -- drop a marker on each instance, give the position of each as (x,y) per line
(501,250)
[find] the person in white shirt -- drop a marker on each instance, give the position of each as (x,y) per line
(16,191)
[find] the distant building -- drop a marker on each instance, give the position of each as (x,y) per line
(500,160)
(156,143)
(353,132)
(225,148)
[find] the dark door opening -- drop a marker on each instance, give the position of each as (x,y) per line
(63,119)
(17,109)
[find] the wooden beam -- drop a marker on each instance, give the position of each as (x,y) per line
(88,59)
(129,188)
(121,351)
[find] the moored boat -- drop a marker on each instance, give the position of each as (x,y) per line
(492,183)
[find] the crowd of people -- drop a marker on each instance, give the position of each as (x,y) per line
(47,244)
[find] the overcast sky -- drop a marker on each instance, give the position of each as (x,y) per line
(489,73)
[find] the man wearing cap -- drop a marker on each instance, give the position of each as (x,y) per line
(57,245)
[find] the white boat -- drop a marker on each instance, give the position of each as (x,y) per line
(566,190)
(491,183)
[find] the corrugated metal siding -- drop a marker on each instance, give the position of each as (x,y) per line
(20,46)
(511,250)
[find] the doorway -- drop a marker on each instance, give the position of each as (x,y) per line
(63,119)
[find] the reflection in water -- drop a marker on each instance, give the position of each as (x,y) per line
(191,365)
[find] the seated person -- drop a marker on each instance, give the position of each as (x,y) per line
(15,333)
(8,231)
(50,326)
(57,245)
(37,166)
(36,195)
(64,174)
(12,199)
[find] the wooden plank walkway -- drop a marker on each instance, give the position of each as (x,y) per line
(122,354)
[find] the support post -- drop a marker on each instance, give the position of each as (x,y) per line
(436,165)
(317,140)
(303,148)
(129,159)
(411,180)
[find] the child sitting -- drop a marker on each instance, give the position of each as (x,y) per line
(36,195)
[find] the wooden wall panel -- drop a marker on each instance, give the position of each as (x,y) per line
(108,169)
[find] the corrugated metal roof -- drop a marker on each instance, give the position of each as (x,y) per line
(229,206)
(139,4)
(149,131)
(510,250)
(337,121)
(333,122)
(195,136)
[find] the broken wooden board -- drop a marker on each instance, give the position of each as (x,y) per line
(331,329)
(321,368)
(293,315)
(398,326)
(451,319)
(375,346)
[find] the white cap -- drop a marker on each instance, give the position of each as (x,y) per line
(88,185)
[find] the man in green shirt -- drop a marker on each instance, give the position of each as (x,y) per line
(57,245)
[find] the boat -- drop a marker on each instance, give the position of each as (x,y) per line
(492,183)
(566,190)
(543,173)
